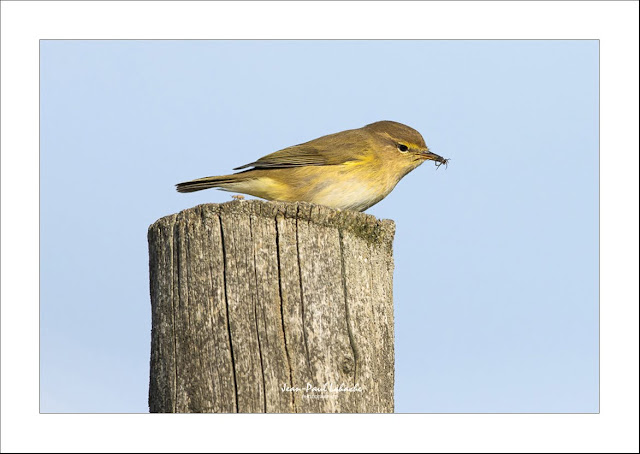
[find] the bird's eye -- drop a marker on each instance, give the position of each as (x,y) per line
(402,147)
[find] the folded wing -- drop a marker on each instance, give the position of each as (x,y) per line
(324,151)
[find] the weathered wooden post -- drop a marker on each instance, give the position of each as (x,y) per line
(271,307)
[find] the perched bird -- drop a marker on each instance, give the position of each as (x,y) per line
(349,170)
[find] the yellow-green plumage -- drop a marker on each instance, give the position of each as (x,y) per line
(352,169)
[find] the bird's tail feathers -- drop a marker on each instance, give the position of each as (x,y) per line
(206,183)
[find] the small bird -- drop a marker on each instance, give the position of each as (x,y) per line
(348,170)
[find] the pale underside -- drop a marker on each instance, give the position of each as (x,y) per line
(344,192)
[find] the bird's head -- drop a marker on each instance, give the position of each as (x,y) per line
(401,145)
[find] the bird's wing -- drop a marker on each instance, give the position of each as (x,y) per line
(327,150)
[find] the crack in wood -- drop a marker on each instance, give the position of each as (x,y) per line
(304,329)
(352,341)
(226,303)
(173,314)
(255,313)
(284,331)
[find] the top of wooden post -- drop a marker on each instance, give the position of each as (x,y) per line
(365,226)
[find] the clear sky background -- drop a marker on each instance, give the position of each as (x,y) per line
(496,257)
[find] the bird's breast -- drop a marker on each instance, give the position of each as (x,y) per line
(349,186)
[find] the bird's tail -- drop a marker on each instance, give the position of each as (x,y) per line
(207,182)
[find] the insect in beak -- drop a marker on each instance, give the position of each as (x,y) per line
(429,156)
(443,161)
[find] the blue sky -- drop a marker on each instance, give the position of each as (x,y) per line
(496,257)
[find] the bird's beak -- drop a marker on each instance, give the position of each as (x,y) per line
(426,155)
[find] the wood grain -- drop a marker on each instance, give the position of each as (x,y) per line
(255,304)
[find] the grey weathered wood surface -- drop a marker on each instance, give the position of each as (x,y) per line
(248,297)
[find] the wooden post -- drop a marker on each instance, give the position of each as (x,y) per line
(271,307)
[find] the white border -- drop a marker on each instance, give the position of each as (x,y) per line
(614,23)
